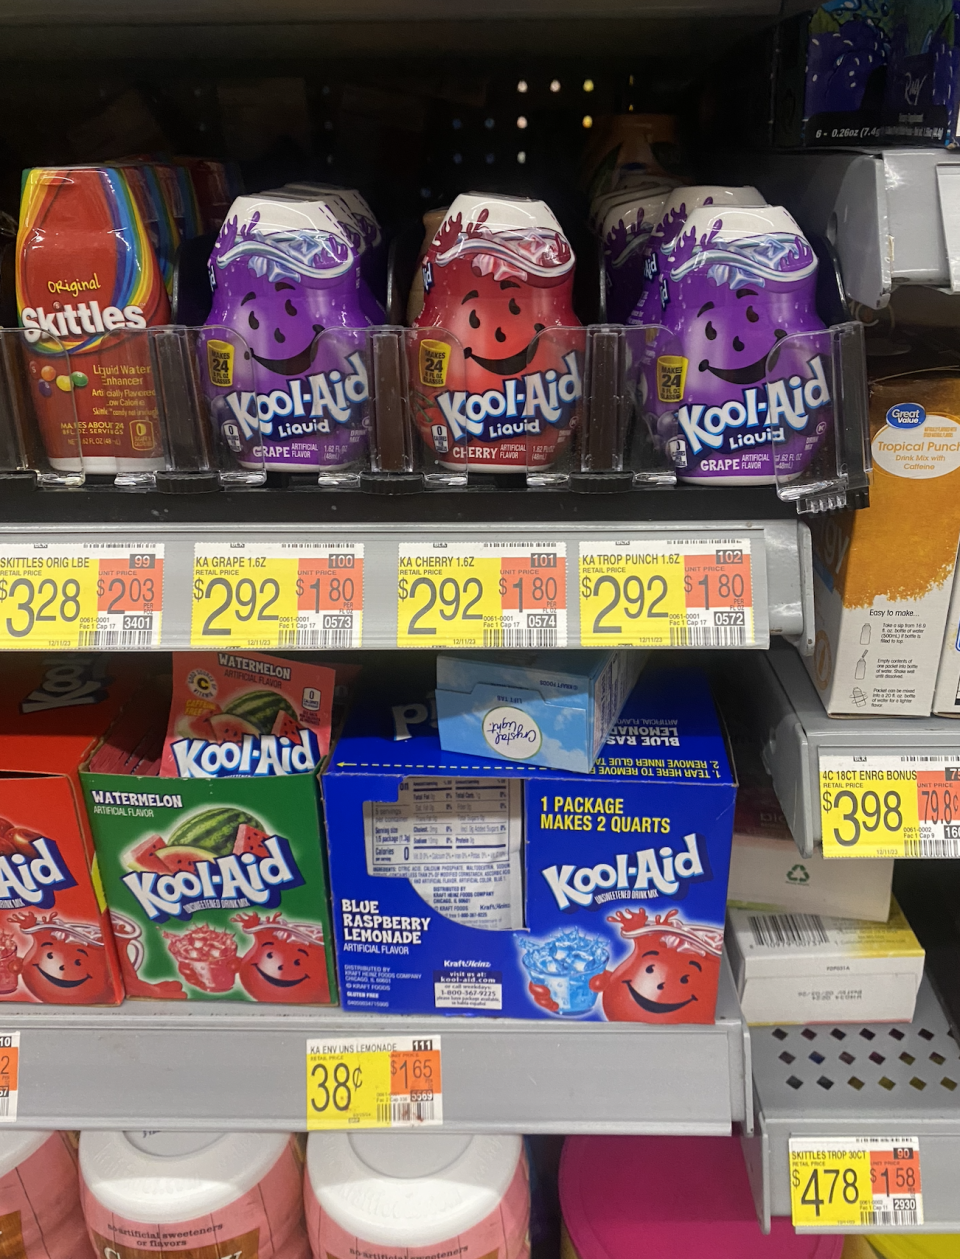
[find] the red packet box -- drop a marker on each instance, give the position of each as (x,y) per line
(55,940)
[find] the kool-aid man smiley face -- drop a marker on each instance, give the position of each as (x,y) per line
(672,969)
(287,961)
(273,321)
(497,395)
(737,335)
(66,963)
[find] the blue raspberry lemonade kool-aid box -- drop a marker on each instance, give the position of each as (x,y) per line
(466,885)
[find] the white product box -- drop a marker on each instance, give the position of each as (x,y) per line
(946,697)
(769,873)
(802,968)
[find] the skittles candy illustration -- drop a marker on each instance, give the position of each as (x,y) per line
(286,277)
(66,962)
(728,403)
(670,976)
(497,374)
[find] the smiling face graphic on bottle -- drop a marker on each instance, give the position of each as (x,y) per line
(497,396)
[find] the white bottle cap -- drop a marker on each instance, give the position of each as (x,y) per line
(409,1190)
(16,1147)
(164,1177)
(686,200)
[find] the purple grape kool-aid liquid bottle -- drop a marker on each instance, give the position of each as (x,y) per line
(729,391)
(286,279)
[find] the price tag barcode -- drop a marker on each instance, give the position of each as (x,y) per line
(277,594)
(855,1183)
(9,1075)
(482,594)
(684,592)
(890,806)
(393,1082)
(80,595)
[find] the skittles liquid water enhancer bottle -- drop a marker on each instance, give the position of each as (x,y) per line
(284,272)
(490,392)
(88,280)
(729,404)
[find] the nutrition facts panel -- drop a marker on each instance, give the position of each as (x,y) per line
(458,841)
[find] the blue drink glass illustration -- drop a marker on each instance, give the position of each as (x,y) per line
(564,964)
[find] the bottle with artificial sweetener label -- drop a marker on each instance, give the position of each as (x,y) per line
(196,1194)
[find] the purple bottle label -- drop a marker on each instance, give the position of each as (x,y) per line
(290,289)
(730,391)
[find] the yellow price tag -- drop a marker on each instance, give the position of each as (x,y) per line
(392,1082)
(481,594)
(688,592)
(855,1182)
(9,1075)
(69,596)
(870,806)
(268,595)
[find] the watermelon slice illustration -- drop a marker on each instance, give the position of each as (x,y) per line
(212,831)
(144,855)
(250,839)
(229,728)
(260,709)
(285,726)
(181,858)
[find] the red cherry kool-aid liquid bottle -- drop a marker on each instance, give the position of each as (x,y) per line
(88,281)
(496,383)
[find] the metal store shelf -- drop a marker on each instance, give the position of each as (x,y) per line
(889,212)
(782,567)
(234,1066)
(860,1080)
(794,729)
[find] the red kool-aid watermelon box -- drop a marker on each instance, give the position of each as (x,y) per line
(55,940)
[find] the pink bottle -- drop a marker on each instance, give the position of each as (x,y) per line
(40,1216)
(236,1194)
(645,1197)
(418,1195)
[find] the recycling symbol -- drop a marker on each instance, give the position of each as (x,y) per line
(798,874)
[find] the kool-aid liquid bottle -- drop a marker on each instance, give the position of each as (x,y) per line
(496,388)
(286,278)
(88,282)
(732,394)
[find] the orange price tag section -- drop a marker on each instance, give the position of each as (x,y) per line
(277,594)
(359,1082)
(80,595)
(9,1074)
(841,1184)
(482,594)
(674,592)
